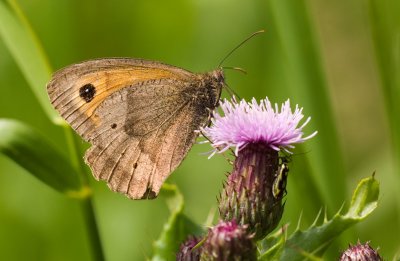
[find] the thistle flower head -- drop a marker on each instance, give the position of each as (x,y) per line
(360,252)
(244,123)
(248,194)
(187,251)
(228,241)
(256,186)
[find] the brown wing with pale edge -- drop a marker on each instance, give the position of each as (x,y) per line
(139,116)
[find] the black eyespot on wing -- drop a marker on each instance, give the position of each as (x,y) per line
(87,92)
(113,126)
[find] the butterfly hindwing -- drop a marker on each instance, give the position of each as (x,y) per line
(147,142)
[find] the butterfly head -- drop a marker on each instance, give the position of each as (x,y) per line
(216,81)
(219,77)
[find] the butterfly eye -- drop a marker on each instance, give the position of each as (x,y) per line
(219,76)
(87,92)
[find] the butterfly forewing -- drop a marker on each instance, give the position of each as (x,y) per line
(103,77)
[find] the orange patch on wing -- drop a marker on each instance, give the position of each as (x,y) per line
(109,82)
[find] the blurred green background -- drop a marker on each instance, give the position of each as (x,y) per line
(337,59)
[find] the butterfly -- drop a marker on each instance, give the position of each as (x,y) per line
(141,117)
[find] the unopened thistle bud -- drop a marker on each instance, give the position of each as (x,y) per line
(228,241)
(360,252)
(255,188)
(188,250)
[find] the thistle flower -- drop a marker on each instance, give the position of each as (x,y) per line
(228,241)
(360,252)
(255,188)
(244,123)
(187,252)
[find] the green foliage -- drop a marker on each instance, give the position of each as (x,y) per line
(313,242)
(30,150)
(178,227)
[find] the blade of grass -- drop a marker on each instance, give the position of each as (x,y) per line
(385,31)
(309,86)
(27,53)
(33,152)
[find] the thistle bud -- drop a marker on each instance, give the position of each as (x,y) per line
(188,250)
(360,252)
(228,241)
(248,193)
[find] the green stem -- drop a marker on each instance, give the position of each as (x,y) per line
(92,229)
(86,201)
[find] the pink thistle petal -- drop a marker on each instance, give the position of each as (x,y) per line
(244,122)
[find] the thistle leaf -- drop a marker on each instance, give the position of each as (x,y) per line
(312,243)
(177,228)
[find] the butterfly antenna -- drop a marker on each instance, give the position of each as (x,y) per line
(235,68)
(239,45)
